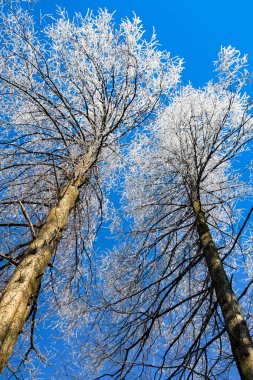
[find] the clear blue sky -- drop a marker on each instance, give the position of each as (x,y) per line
(191,29)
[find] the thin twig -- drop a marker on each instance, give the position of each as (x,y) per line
(24,212)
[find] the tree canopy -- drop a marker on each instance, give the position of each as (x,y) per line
(162,311)
(69,93)
(96,131)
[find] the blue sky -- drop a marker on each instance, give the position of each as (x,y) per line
(191,29)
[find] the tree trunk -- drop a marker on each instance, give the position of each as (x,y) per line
(240,339)
(22,287)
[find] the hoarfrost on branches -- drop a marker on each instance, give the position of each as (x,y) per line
(69,92)
(160,315)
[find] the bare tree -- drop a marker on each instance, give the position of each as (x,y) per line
(169,306)
(68,92)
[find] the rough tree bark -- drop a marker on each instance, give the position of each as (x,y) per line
(236,326)
(22,288)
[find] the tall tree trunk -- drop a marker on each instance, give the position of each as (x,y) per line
(22,287)
(240,339)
